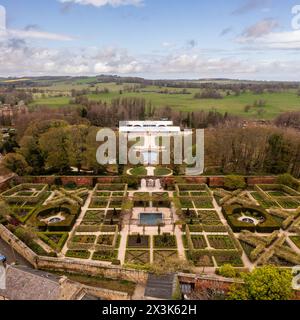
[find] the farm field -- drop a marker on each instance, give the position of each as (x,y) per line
(276,103)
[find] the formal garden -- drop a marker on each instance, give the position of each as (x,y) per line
(125,224)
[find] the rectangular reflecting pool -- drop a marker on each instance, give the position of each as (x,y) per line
(151,219)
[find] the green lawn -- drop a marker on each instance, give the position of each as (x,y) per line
(138,171)
(161,171)
(276,103)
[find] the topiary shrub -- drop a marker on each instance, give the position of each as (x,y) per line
(227,271)
(234,182)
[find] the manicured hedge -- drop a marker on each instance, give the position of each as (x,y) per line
(47,237)
(22,213)
(79,254)
(268,226)
(72,213)
(24,196)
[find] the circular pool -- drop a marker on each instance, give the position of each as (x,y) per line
(55,220)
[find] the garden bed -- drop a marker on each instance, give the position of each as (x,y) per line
(164,241)
(160,256)
(138,241)
(78,254)
(105,255)
(199,242)
(221,242)
(139,257)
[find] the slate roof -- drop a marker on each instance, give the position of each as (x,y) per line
(23,283)
(160,287)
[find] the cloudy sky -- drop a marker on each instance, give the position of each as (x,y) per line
(242,39)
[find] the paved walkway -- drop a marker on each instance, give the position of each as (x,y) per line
(123,244)
(79,220)
(180,246)
(150,171)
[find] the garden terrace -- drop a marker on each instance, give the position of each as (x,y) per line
(225,197)
(274,249)
(62,196)
(194,196)
(101,243)
(233,213)
(137,257)
(214,258)
(160,256)
(55,240)
(93,217)
(287,218)
(144,249)
(22,213)
(26,193)
(109,226)
(41,219)
(107,196)
(212,248)
(157,199)
(278,195)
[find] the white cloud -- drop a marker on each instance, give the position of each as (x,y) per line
(101,3)
(168,45)
(29,32)
(274,40)
(37,34)
(19,59)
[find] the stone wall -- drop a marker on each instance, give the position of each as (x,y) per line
(18,246)
(212,181)
(105,294)
(251,181)
(92,269)
(71,290)
(69,265)
(202,282)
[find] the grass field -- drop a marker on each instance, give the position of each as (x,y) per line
(276,103)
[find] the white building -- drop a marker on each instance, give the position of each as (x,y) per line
(149,131)
(148,127)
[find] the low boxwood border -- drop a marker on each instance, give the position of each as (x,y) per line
(268,226)
(55,246)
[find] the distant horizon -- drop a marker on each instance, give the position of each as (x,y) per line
(143,78)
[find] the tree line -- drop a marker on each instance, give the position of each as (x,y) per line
(54,146)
